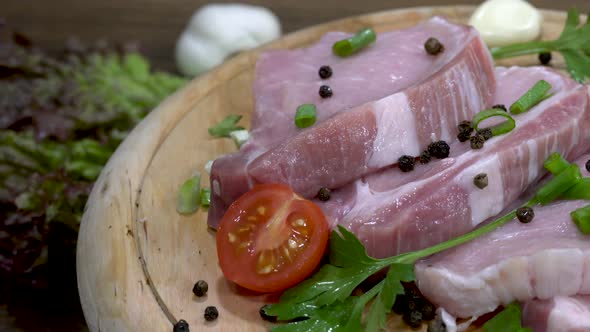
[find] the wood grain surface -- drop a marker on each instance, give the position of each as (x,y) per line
(156,25)
(137,257)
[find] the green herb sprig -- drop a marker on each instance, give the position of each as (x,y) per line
(226,126)
(573,44)
(508,320)
(329,291)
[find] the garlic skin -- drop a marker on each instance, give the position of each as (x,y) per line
(505,22)
(216,31)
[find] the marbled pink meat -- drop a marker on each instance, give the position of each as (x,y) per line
(559,314)
(397,99)
(518,262)
(393,212)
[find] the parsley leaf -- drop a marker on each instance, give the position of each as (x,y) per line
(226,126)
(508,320)
(349,266)
(325,300)
(573,44)
(392,286)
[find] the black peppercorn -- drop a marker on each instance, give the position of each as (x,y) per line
(211,313)
(525,214)
(463,136)
(500,107)
(325,91)
(486,133)
(465,126)
(545,58)
(324,194)
(433,46)
(428,310)
(266,317)
(413,318)
(406,163)
(588,165)
(181,326)
(200,288)
(481,180)
(325,72)
(425,157)
(437,325)
(439,149)
(400,306)
(477,141)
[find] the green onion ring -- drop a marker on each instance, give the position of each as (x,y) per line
(305,115)
(579,191)
(556,164)
(581,218)
(560,183)
(499,129)
(355,43)
(535,95)
(189,196)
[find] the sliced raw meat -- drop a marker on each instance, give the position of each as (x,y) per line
(559,314)
(408,99)
(393,212)
(518,262)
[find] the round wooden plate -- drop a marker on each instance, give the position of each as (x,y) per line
(138,259)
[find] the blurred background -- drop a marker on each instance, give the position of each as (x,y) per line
(37,259)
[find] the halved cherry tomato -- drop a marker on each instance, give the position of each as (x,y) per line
(271,239)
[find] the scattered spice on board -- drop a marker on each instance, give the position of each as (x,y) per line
(525,214)
(211,313)
(325,72)
(200,288)
(181,326)
(324,194)
(481,180)
(477,141)
(439,149)
(433,46)
(545,58)
(406,163)
(325,91)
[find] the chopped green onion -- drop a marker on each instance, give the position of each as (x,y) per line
(498,129)
(579,191)
(559,184)
(189,196)
(508,320)
(535,95)
(556,164)
(355,43)
(581,218)
(305,115)
(226,126)
(240,137)
(205,197)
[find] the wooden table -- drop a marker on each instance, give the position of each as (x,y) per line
(156,24)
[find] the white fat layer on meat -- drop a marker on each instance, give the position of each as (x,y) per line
(568,314)
(396,130)
(567,280)
(216,188)
(533,160)
(515,279)
(493,194)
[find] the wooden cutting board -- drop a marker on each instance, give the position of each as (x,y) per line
(137,258)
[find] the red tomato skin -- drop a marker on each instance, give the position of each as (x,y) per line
(240,268)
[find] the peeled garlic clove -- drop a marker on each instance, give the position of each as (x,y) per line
(505,22)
